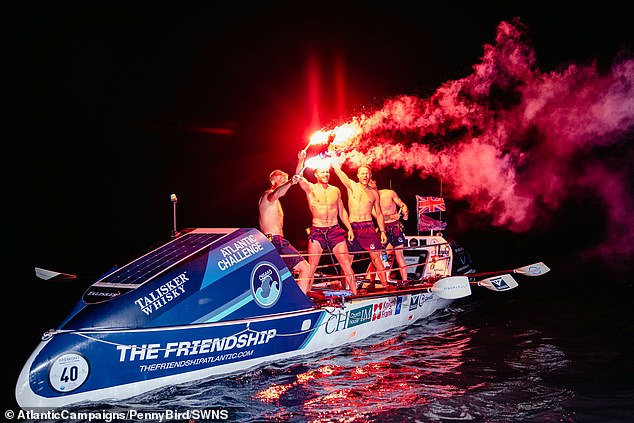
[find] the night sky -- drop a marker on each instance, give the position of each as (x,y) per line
(113,108)
(110,108)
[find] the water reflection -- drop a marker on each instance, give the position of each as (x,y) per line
(398,371)
(437,370)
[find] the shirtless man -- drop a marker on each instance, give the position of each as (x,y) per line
(327,209)
(363,202)
(272,222)
(393,208)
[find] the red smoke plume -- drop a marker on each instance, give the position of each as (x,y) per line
(513,140)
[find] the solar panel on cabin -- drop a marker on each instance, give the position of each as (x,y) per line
(153,263)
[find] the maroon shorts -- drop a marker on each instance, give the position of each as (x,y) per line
(327,237)
(365,237)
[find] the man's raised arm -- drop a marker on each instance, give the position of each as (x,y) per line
(301,159)
(281,190)
(341,174)
(299,170)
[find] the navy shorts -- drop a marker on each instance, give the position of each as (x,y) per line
(289,254)
(327,237)
(394,232)
(365,237)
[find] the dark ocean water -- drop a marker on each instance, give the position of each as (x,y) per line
(555,349)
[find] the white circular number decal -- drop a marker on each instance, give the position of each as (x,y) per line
(68,372)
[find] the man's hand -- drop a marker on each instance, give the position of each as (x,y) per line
(404,212)
(295,179)
(301,155)
(383,238)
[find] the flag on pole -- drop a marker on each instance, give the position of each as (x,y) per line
(426,223)
(430,204)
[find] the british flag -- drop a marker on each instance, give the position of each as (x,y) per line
(429,204)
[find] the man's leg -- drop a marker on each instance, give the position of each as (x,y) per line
(314,255)
(343,256)
(400,259)
(304,276)
(375,256)
(370,272)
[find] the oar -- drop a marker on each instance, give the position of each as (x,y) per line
(50,274)
(535,269)
(450,288)
(455,286)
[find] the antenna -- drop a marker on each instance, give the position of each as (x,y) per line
(440,212)
(174,233)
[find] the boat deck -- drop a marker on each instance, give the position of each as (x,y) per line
(335,296)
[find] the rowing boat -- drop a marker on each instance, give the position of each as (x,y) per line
(214,301)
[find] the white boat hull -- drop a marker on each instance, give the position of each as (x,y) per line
(133,368)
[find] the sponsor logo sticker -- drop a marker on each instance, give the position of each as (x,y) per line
(162,295)
(499,283)
(359,316)
(413,304)
(266,284)
(378,308)
(68,372)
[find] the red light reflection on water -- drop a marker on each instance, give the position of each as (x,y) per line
(275,392)
(393,374)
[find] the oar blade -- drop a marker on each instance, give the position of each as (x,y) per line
(535,269)
(50,274)
(452,287)
(499,283)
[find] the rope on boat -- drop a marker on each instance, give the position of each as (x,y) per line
(245,330)
(374,272)
(417,247)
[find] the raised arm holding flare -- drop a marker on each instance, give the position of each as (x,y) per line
(363,203)
(326,207)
